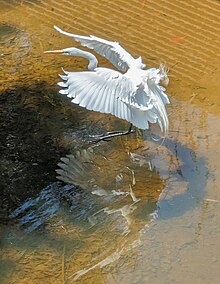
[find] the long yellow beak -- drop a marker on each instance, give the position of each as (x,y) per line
(59,51)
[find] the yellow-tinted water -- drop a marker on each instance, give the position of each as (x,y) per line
(165,227)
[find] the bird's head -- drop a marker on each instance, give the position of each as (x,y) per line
(72,51)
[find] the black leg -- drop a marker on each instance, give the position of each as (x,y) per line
(130,128)
(108,135)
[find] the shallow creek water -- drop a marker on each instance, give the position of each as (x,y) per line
(144,210)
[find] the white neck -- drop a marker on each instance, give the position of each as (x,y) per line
(93,62)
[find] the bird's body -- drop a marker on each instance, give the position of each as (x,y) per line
(135,96)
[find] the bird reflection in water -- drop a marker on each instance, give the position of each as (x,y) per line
(110,175)
(105,181)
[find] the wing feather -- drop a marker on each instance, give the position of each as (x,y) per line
(111,50)
(92,100)
(109,91)
(159,99)
(108,99)
(82,95)
(103,99)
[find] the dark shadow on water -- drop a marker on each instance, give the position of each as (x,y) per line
(32,121)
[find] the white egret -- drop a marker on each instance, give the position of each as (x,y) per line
(135,95)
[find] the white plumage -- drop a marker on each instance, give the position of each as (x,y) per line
(135,96)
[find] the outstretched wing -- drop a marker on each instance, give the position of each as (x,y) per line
(111,50)
(77,169)
(104,171)
(98,91)
(109,91)
(96,171)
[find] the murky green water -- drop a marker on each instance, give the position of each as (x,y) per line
(142,211)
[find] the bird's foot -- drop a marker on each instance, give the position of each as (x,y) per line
(108,135)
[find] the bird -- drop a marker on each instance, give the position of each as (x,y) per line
(102,171)
(131,93)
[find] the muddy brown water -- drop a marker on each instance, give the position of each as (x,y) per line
(167,230)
